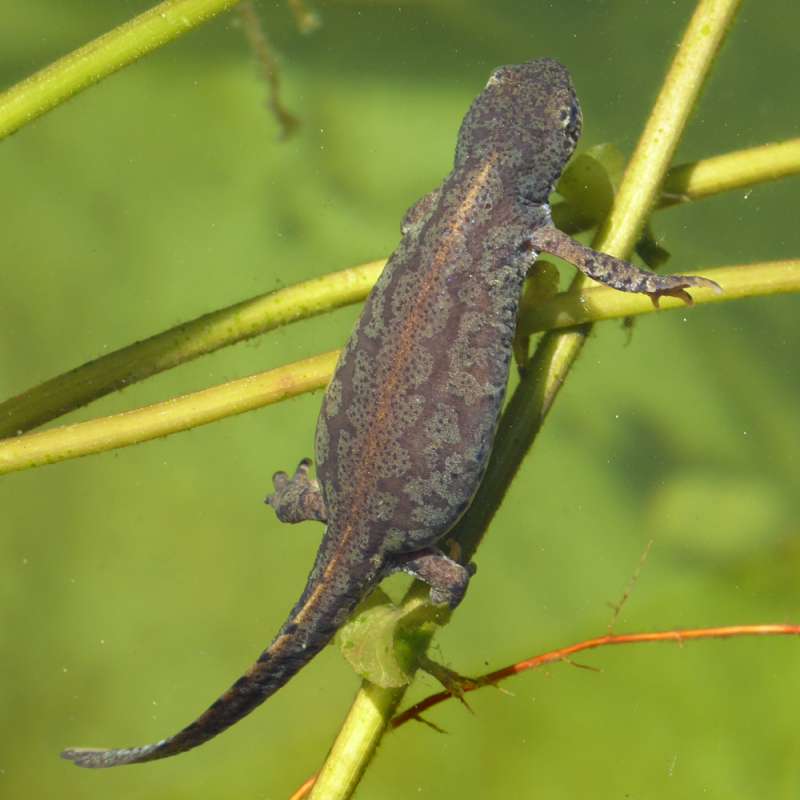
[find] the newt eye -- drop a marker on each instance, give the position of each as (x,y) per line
(567,116)
(570,119)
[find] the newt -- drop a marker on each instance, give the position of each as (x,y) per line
(408,420)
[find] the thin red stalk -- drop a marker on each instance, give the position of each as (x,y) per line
(563,654)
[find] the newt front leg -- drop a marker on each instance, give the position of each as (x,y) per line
(613,271)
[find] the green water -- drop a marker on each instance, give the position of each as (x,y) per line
(135,586)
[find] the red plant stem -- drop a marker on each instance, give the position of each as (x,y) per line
(303,791)
(563,653)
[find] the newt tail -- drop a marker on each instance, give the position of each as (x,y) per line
(310,626)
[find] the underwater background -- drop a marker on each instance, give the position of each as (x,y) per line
(135,586)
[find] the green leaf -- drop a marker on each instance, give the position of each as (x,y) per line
(379,642)
(590,180)
(650,251)
(589,183)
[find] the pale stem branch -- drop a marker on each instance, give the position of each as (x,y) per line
(724,173)
(246,394)
(183,343)
(563,654)
(597,303)
(56,83)
(645,172)
(365,723)
(257,315)
(679,637)
(162,419)
(709,177)
(557,352)
(356,741)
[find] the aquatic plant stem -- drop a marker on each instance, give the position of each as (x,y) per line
(357,741)
(597,303)
(183,343)
(56,83)
(729,171)
(365,723)
(246,394)
(644,174)
(648,165)
(563,654)
(557,352)
(262,313)
(698,180)
(161,419)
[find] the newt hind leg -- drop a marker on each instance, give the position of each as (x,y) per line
(298,498)
(447,578)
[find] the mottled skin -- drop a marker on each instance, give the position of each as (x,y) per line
(410,415)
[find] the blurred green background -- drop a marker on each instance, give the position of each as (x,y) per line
(135,586)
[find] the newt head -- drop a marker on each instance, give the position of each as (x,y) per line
(529,116)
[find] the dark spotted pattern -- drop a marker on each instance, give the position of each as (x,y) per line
(408,420)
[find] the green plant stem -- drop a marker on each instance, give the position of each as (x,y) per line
(724,173)
(171,416)
(183,343)
(557,351)
(366,721)
(598,303)
(101,57)
(373,708)
(263,313)
(645,172)
(708,177)
(246,394)
(356,742)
